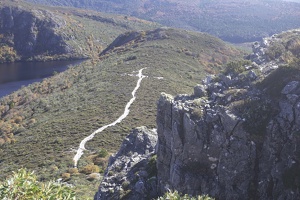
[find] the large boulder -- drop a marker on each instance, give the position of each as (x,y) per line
(131,173)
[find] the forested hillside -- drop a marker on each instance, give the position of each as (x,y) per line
(29,32)
(231,20)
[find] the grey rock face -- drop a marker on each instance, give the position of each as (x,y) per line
(32,34)
(290,87)
(131,173)
(236,140)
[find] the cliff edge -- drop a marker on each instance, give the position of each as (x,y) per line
(237,136)
(31,35)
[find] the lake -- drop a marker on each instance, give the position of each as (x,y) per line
(15,75)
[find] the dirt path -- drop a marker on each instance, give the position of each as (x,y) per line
(123,116)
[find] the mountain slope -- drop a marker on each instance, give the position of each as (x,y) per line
(231,20)
(29,32)
(42,124)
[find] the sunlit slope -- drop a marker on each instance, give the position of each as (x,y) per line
(30,32)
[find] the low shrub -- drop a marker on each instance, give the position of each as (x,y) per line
(90,168)
(24,185)
(176,196)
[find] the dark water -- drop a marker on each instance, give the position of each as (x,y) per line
(15,75)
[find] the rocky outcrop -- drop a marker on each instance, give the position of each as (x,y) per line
(236,137)
(131,38)
(32,34)
(131,173)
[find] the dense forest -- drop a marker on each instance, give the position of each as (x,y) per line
(231,20)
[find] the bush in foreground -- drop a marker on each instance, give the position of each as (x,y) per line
(23,185)
(176,196)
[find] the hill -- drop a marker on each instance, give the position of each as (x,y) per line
(29,32)
(231,20)
(43,124)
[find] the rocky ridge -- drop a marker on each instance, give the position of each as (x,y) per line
(32,34)
(236,137)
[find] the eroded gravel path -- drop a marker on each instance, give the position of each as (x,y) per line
(123,116)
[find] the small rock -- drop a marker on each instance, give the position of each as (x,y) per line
(199,91)
(292,98)
(208,79)
(290,87)
(140,187)
(252,75)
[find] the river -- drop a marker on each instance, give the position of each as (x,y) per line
(15,75)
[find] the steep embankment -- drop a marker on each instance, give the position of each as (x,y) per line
(231,20)
(235,137)
(29,32)
(42,124)
(31,35)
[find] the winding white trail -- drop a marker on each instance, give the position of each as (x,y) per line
(123,116)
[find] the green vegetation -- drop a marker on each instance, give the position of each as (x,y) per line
(286,48)
(176,196)
(7,54)
(103,153)
(23,185)
(73,33)
(236,67)
(151,166)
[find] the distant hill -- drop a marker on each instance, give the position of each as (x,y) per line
(30,32)
(232,20)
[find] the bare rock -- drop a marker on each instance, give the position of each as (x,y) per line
(290,87)
(131,173)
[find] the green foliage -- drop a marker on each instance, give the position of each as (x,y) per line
(237,67)
(176,196)
(83,34)
(275,82)
(23,185)
(286,47)
(90,168)
(7,54)
(151,167)
(275,50)
(102,153)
